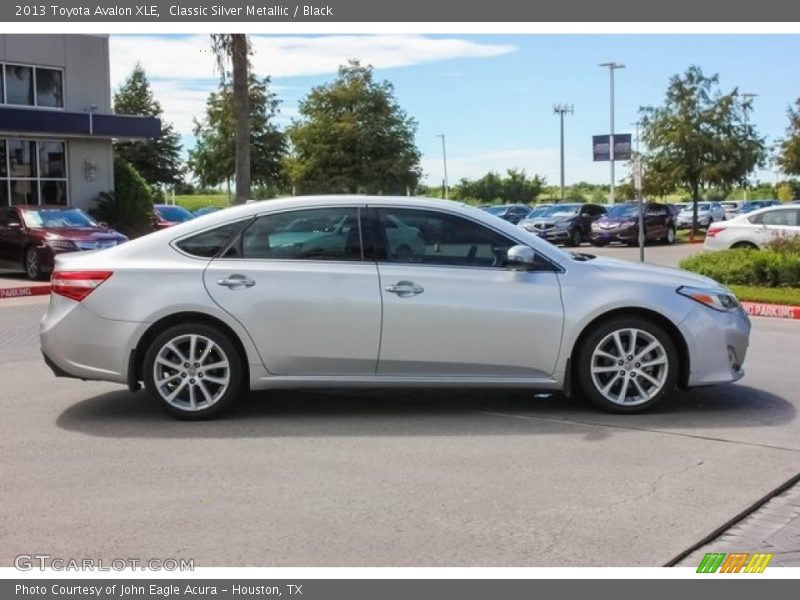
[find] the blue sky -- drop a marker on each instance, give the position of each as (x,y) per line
(492,95)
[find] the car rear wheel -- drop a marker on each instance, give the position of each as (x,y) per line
(32,265)
(670,237)
(627,365)
(747,245)
(193,371)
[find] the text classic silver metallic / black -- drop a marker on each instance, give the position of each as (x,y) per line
(381,291)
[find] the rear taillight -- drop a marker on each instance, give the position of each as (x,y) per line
(77,284)
(714,230)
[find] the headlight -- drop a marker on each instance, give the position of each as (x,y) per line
(718,299)
(61,244)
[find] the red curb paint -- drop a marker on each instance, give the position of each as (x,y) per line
(24,292)
(779,311)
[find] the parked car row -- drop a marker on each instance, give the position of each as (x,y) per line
(754,229)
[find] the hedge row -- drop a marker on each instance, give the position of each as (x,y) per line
(777,265)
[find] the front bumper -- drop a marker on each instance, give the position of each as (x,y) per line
(614,235)
(717,343)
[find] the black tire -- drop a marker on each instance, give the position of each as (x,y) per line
(583,365)
(32,265)
(747,245)
(225,348)
(575,237)
(671,233)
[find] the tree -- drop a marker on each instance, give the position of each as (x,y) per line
(788,158)
(214,159)
(234,48)
(515,188)
(353,137)
(158,159)
(129,208)
(699,137)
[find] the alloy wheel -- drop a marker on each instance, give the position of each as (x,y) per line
(32,268)
(191,372)
(629,367)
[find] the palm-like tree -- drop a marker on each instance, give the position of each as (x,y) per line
(234,48)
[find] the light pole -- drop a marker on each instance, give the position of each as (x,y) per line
(747,105)
(561,110)
(444,158)
(612,66)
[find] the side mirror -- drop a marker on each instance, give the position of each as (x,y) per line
(103,224)
(520,258)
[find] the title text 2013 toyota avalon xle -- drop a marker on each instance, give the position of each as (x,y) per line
(363,291)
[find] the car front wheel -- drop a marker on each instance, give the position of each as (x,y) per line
(627,365)
(32,264)
(193,371)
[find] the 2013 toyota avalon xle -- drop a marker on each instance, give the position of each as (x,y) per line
(363,291)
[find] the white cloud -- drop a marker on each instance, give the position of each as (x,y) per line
(182,69)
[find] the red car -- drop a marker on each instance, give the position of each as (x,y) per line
(167,215)
(30,236)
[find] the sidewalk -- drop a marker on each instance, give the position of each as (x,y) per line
(773,528)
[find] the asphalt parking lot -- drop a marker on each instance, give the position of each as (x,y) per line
(391,478)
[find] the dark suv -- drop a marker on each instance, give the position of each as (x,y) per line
(513,213)
(621,224)
(568,223)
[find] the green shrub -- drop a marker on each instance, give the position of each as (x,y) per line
(129,208)
(777,265)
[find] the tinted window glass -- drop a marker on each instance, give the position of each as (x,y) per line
(53,192)
(174,213)
(52,162)
(19,85)
(22,158)
(780,217)
(49,88)
(430,237)
(209,243)
(70,217)
(313,234)
(24,191)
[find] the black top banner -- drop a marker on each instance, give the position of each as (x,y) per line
(334,11)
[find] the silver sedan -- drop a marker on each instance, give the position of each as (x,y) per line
(363,291)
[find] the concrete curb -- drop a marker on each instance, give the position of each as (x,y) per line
(25,291)
(777,311)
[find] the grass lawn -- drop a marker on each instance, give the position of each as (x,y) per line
(769,295)
(193,202)
(683,236)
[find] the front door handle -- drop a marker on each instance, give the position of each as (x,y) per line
(236,282)
(405,288)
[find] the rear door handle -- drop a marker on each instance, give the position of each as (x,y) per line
(405,288)
(236,282)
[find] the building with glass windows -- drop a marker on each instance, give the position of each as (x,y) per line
(56,121)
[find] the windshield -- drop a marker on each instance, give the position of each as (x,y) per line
(174,213)
(623,211)
(48,218)
(563,210)
(496,210)
(538,212)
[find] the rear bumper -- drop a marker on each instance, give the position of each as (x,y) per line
(77,343)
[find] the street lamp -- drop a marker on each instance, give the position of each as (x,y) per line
(747,105)
(612,66)
(561,110)
(444,158)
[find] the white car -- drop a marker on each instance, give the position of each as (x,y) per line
(707,213)
(754,229)
(732,208)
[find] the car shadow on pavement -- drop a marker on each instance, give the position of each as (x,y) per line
(421,412)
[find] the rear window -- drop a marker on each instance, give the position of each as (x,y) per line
(210,243)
